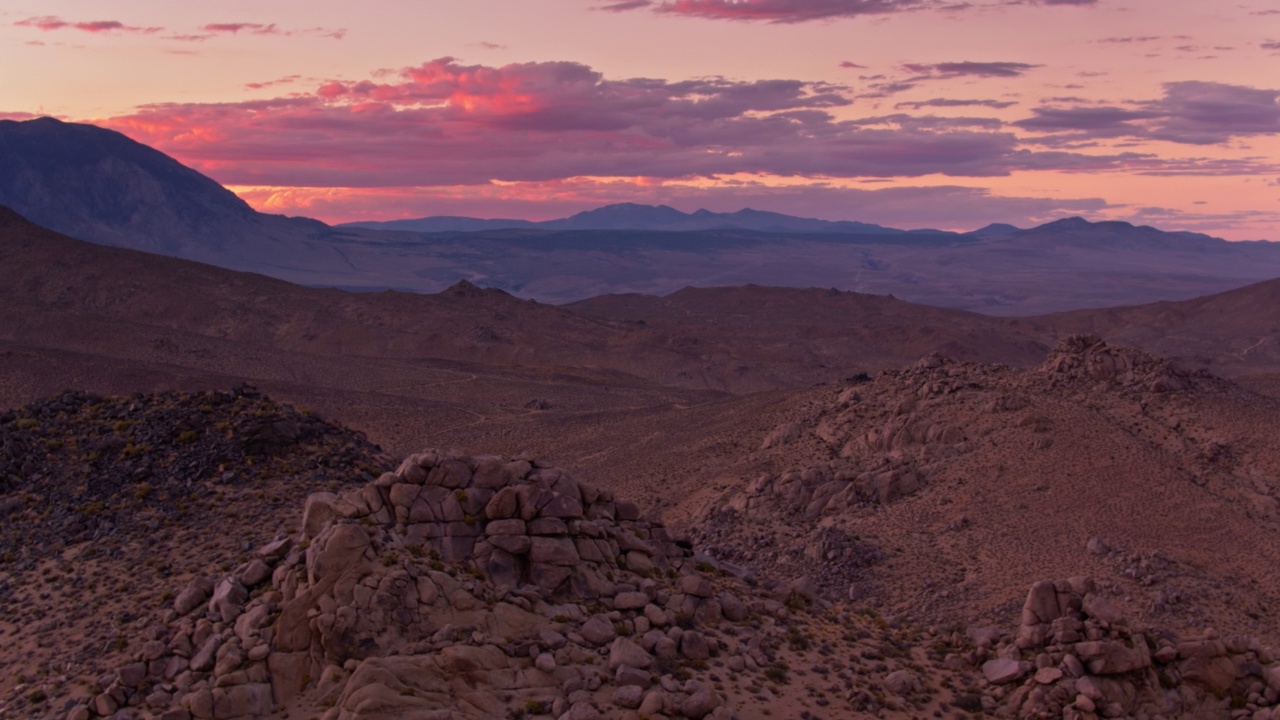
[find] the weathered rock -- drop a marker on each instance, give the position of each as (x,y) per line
(700,704)
(317,512)
(193,595)
(630,601)
(1100,608)
(625,652)
(205,657)
(1097,546)
(228,599)
(1001,671)
(1041,605)
(1048,675)
(254,573)
(553,551)
(598,630)
(697,586)
(628,696)
(1108,657)
(252,700)
(901,682)
(512,526)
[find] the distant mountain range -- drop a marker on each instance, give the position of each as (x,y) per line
(98,185)
(632,216)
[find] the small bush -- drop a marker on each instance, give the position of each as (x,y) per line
(777,673)
(970,703)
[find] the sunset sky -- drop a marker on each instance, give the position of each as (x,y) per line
(910,113)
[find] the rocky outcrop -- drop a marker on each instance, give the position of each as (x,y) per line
(1075,656)
(454,587)
(1088,358)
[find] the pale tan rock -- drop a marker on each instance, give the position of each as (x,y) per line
(317,513)
(1001,671)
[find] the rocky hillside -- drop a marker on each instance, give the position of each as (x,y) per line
(489,587)
(943,490)
(107,501)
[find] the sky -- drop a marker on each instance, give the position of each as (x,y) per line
(909,113)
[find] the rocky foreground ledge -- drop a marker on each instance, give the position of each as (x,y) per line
(483,587)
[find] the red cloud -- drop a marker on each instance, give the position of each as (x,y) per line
(48,23)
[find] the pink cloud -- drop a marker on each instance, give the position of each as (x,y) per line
(777,11)
(445,123)
(48,23)
(236,28)
(975,69)
(950,102)
(625,5)
(286,80)
(1191,112)
(797,11)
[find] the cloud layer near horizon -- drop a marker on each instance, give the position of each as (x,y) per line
(443,123)
(1191,112)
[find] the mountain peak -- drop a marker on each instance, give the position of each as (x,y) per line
(99,185)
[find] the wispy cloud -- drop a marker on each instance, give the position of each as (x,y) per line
(799,11)
(777,11)
(286,80)
(951,102)
(49,23)
(1190,112)
(248,28)
(913,74)
(245,27)
(974,69)
(1130,39)
(626,5)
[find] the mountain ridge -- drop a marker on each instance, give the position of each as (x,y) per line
(100,186)
(636,216)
